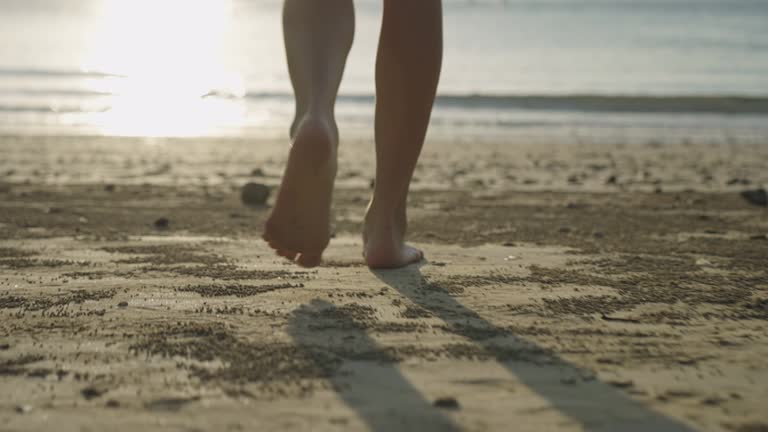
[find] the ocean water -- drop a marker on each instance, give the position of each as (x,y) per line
(216,67)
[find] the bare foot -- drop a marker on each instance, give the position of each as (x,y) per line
(299,226)
(384,241)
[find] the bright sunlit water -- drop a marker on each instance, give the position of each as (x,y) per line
(216,67)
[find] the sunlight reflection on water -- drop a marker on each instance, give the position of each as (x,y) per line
(164,68)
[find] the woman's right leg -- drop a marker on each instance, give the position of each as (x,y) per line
(407,72)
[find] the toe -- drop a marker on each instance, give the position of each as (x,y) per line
(287,254)
(419,255)
(414,256)
(309,260)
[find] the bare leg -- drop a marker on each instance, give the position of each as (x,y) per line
(407,72)
(318,35)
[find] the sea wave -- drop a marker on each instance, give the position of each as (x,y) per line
(48,109)
(715,104)
(55,73)
(619,103)
(52,92)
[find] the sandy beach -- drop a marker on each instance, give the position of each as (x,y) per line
(591,200)
(569,285)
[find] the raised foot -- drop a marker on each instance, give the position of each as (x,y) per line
(299,226)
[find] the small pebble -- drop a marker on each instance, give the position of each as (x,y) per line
(92,392)
(122,304)
(621,384)
(738,181)
(162,223)
(447,403)
(714,400)
(23,409)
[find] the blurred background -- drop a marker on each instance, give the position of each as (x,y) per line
(216,67)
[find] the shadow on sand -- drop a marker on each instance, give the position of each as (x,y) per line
(385,400)
(369,381)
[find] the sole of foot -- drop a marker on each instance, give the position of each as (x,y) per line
(298,228)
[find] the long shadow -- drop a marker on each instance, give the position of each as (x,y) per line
(595,405)
(373,386)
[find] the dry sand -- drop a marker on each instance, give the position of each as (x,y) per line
(597,287)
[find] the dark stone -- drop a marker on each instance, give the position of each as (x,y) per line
(109,188)
(758,197)
(738,181)
(621,384)
(254,194)
(162,223)
(122,304)
(169,404)
(447,403)
(23,409)
(92,392)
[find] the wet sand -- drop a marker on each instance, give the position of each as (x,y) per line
(599,287)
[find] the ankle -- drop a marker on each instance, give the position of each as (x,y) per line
(315,141)
(316,122)
(385,218)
